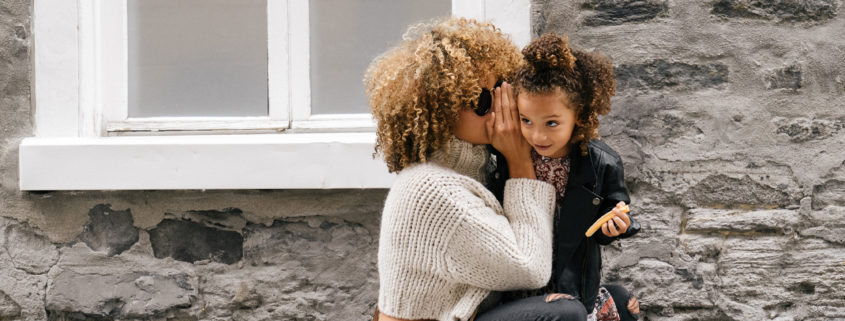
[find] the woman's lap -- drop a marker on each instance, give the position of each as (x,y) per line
(536,308)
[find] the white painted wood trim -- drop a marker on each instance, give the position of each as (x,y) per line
(55,67)
(90,115)
(335,123)
(80,70)
(113,60)
(300,47)
(306,161)
(182,124)
(278,60)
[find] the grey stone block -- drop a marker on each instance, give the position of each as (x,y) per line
(616,12)
(778,10)
(831,192)
(190,242)
(28,250)
(9,309)
(118,294)
(719,190)
(786,78)
(803,129)
(108,230)
(662,74)
(738,221)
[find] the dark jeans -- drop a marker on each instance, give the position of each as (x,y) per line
(536,308)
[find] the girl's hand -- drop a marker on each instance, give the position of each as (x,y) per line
(619,224)
(505,133)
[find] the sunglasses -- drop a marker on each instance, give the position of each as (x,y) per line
(485,100)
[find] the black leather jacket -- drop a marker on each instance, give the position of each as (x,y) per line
(596,183)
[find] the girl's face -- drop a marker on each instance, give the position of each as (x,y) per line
(547,122)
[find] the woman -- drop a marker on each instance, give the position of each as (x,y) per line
(445,240)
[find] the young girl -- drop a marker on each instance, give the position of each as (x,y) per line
(560,93)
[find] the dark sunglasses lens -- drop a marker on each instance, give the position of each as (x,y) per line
(485,100)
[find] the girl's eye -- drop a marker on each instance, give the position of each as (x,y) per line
(552,123)
(526,121)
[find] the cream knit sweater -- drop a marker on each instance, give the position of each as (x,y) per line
(445,241)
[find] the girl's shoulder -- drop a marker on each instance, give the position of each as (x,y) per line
(600,147)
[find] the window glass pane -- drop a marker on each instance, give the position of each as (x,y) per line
(197,58)
(345,37)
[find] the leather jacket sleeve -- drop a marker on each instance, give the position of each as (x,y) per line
(614,191)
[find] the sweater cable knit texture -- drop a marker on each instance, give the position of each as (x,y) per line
(445,241)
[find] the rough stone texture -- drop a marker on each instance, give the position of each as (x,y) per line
(660,74)
(616,12)
(729,119)
(130,285)
(28,250)
(728,116)
(9,309)
(191,242)
(788,78)
(778,10)
(802,129)
(108,230)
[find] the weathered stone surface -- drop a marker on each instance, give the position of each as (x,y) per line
(283,252)
(778,10)
(788,78)
(832,192)
(28,250)
(722,191)
(108,230)
(95,285)
(9,309)
(230,219)
(737,221)
(191,242)
(616,12)
(802,129)
(21,293)
(662,74)
(130,294)
(827,224)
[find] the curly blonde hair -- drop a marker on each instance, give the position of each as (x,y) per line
(552,67)
(417,88)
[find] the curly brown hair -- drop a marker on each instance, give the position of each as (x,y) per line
(586,78)
(417,88)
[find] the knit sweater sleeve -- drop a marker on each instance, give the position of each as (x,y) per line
(514,251)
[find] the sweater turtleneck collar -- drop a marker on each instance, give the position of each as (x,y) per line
(464,158)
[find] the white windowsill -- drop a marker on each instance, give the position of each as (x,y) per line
(270,161)
(76,90)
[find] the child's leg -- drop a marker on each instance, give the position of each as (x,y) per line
(626,303)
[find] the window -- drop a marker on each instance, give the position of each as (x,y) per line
(229,94)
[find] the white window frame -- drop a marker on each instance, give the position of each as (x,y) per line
(81,137)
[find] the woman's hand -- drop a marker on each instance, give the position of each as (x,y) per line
(619,224)
(557,296)
(505,133)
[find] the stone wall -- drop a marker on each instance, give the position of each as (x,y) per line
(729,118)
(729,115)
